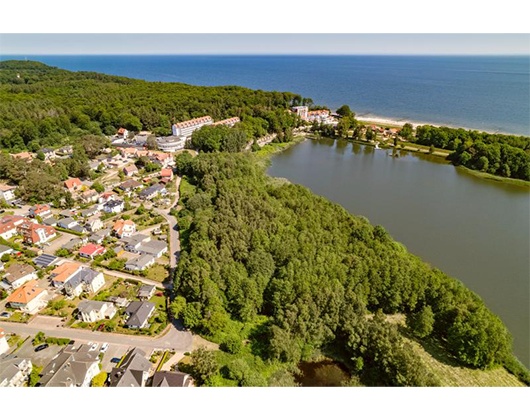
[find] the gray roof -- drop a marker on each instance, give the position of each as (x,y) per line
(10,366)
(78,228)
(131,371)
(170,379)
(89,211)
(85,275)
(50,221)
(146,290)
(153,247)
(17,271)
(130,184)
(153,189)
(68,368)
(72,243)
(139,313)
(140,262)
(4,248)
(66,221)
(91,305)
(45,260)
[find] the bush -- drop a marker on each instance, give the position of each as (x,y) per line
(99,380)
(232,345)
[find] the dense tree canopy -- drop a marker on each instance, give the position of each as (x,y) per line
(252,248)
(46,106)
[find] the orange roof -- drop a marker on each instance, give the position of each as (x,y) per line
(92,249)
(166,172)
(26,293)
(72,182)
(63,272)
(121,130)
(2,333)
(119,226)
(228,121)
(194,121)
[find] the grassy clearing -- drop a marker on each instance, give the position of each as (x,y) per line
(490,177)
(450,373)
(157,272)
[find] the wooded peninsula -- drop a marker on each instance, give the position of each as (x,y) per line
(273,273)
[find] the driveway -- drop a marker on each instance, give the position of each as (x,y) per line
(58,243)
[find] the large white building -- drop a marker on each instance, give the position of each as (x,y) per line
(171,143)
(301,111)
(186,128)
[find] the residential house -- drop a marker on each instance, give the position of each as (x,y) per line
(92,211)
(18,274)
(14,371)
(107,196)
(133,243)
(146,292)
(7,192)
(164,379)
(79,229)
(92,310)
(35,233)
(73,244)
(84,280)
(64,151)
(4,347)
(64,272)
(128,152)
(89,196)
(49,154)
(123,133)
(130,170)
(73,185)
(29,297)
(45,260)
(163,159)
(153,191)
(99,236)
(67,223)
(153,247)
(27,156)
(138,314)
(91,251)
(41,210)
(94,224)
(140,263)
(133,370)
(68,213)
(113,206)
(4,250)
(130,185)
(72,367)
(50,221)
(166,174)
(7,230)
(118,301)
(124,228)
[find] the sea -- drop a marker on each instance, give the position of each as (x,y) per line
(488,93)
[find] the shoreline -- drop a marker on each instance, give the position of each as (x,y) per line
(400,122)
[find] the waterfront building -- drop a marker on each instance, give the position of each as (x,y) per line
(186,128)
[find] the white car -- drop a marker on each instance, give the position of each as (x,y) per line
(94,347)
(104,347)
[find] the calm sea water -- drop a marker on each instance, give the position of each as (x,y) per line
(485,93)
(473,229)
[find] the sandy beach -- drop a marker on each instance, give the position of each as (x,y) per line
(383,121)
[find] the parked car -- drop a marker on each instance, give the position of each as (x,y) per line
(115,360)
(104,347)
(42,347)
(94,347)
(5,314)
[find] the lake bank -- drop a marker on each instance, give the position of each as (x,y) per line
(473,229)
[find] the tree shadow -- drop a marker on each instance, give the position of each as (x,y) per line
(259,338)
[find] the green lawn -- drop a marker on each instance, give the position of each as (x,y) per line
(157,272)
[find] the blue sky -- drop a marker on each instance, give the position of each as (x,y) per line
(35,44)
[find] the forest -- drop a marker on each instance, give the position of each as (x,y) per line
(496,154)
(309,276)
(44,106)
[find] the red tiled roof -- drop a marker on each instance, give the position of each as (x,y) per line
(194,121)
(92,249)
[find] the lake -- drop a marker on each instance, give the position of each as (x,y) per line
(475,230)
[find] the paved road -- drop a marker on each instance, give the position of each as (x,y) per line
(171,338)
(174,241)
